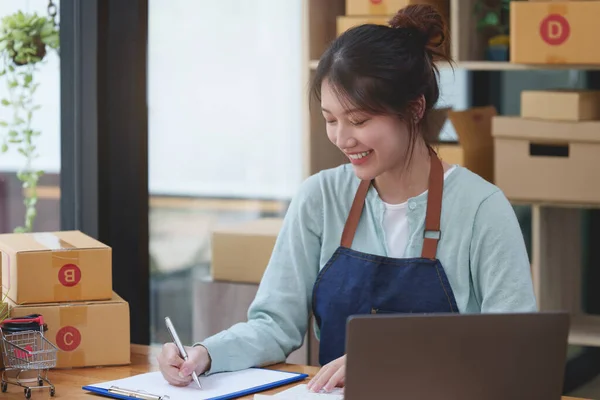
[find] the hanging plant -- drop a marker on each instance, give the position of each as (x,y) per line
(24,43)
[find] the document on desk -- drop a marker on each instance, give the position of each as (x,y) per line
(221,386)
(301,392)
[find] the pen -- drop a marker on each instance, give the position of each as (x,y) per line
(182,351)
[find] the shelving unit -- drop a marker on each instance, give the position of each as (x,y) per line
(319,29)
(556,228)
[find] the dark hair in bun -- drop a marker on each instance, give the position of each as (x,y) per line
(386,69)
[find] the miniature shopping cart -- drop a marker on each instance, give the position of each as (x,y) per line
(25,350)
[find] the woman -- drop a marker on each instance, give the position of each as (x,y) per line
(396,230)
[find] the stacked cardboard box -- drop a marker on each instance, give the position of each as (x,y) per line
(67,278)
(380,12)
(551,152)
(474,149)
(554,32)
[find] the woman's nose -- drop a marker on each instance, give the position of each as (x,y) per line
(344,139)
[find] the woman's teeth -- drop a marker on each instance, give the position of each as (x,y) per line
(359,155)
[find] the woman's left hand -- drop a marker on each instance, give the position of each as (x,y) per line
(330,376)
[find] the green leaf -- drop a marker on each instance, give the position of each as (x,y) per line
(4,148)
(28,79)
(19,121)
(5,102)
(15,141)
(3,123)
(13,133)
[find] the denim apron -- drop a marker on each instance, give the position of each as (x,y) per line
(354,282)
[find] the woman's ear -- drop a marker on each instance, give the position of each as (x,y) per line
(419,110)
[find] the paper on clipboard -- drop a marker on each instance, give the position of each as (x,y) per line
(222,386)
(301,392)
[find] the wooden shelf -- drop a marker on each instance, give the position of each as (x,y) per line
(585,330)
(499,66)
(508,66)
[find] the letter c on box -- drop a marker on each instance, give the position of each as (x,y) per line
(68,338)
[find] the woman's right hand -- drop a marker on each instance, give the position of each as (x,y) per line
(177,371)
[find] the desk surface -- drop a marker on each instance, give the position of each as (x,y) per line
(68,382)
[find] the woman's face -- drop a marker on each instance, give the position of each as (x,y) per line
(374,144)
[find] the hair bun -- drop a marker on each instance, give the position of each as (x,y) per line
(426,21)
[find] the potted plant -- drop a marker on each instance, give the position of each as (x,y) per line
(24,43)
(493,23)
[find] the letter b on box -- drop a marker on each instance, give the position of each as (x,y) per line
(69,275)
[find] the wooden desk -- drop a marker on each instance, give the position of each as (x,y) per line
(68,382)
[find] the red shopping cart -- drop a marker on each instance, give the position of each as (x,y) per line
(24,348)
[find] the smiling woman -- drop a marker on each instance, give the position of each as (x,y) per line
(397,230)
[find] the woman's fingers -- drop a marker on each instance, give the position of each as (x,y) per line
(337,379)
(170,362)
(317,377)
(172,376)
(323,377)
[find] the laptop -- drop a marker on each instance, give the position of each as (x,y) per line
(456,356)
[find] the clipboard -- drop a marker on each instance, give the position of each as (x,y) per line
(220,386)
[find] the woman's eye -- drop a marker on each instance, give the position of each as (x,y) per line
(330,121)
(358,123)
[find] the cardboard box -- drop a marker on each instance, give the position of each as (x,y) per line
(55,266)
(360,12)
(241,252)
(547,161)
(86,333)
(390,7)
(475,147)
(554,32)
(344,23)
(561,105)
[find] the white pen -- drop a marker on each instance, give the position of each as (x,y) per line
(182,351)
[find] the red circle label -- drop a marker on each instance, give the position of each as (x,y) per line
(69,275)
(68,338)
(555,29)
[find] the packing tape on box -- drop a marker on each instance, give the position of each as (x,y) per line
(68,337)
(377,9)
(65,263)
(52,241)
(557,8)
(68,275)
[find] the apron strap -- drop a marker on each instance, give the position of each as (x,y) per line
(434,207)
(432,218)
(355,213)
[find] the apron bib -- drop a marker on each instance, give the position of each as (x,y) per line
(354,282)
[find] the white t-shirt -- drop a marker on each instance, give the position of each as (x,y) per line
(395,226)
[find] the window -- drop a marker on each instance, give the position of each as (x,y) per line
(46,121)
(224,95)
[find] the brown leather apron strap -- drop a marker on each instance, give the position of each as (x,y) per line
(434,207)
(432,218)
(355,213)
